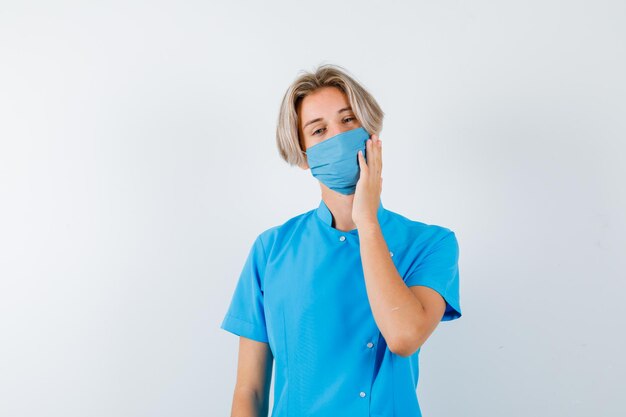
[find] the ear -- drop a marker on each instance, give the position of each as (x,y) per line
(305,163)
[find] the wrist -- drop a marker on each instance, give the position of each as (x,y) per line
(369,225)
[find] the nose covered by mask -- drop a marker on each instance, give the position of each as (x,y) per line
(335,161)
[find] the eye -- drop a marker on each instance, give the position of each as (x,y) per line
(348,119)
(315,132)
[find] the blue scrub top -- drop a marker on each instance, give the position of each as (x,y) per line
(302,290)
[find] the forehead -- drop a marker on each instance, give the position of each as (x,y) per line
(326,100)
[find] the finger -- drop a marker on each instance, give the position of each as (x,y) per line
(377,154)
(380,155)
(369,150)
(373,164)
(362,163)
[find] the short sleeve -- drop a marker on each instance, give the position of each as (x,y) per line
(439,270)
(245,315)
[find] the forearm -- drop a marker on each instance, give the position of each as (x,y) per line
(249,403)
(397,312)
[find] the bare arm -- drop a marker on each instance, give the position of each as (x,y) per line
(406,316)
(254,373)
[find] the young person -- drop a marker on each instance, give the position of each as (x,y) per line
(341,297)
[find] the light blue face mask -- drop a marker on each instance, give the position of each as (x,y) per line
(335,161)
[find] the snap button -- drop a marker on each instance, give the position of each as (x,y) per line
(391,253)
(370,344)
(342,238)
(362,394)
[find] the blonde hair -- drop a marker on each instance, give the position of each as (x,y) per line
(366,109)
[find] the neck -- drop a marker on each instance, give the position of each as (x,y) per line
(340,206)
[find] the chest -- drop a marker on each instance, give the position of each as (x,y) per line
(315,271)
(320,275)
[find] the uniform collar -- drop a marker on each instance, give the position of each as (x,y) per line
(326,216)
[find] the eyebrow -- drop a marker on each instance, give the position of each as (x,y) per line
(349,108)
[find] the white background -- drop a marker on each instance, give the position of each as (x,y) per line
(138,163)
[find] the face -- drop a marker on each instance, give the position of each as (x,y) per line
(324,114)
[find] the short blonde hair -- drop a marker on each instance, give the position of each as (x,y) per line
(364,106)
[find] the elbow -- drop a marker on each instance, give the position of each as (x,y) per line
(405,345)
(403,350)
